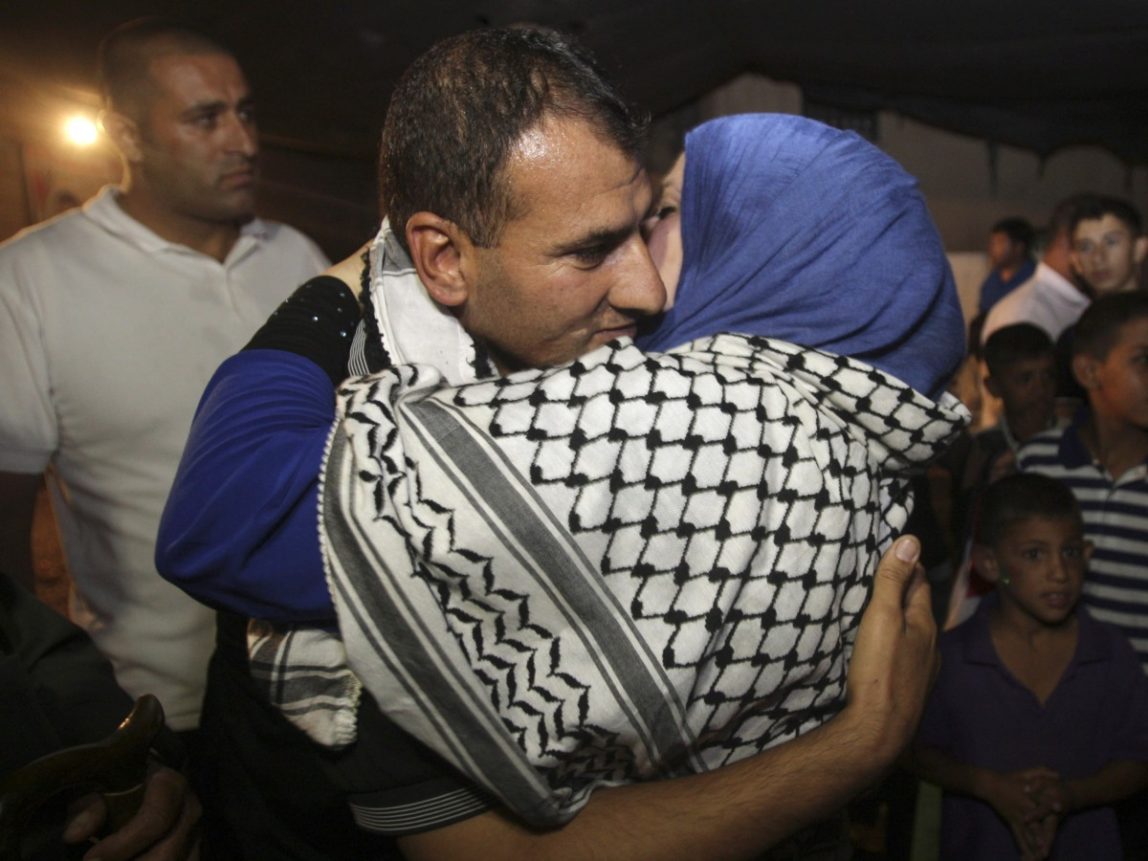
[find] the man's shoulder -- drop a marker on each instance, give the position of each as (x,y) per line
(46,236)
(1013,307)
(280,237)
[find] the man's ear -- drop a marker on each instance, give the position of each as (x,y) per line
(985,561)
(440,251)
(1140,249)
(1084,368)
(124,133)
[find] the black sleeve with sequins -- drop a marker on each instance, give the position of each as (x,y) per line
(317,322)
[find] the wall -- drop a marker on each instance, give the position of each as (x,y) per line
(329,197)
(966,184)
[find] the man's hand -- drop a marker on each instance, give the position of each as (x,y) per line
(164,829)
(895,658)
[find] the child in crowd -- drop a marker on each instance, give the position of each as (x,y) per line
(1039,718)
(1108,244)
(1103,457)
(1021,373)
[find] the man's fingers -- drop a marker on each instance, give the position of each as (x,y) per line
(895,572)
(165,811)
(85,817)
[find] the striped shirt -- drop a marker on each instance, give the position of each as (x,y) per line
(1115,521)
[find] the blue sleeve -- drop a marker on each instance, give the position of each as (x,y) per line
(240,528)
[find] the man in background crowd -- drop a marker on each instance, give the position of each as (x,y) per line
(112,318)
(1010,253)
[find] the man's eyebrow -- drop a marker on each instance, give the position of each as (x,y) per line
(218,106)
(605,238)
(205,108)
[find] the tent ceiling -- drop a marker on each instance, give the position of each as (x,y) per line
(1030,73)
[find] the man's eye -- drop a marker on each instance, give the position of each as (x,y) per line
(591,256)
(1073,553)
(247,114)
(205,121)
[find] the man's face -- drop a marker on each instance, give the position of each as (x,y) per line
(197,138)
(1003,252)
(1106,254)
(1028,389)
(570,270)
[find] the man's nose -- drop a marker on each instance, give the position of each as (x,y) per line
(242,136)
(638,288)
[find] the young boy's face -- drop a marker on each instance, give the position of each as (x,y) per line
(1028,389)
(1118,385)
(1107,255)
(1039,566)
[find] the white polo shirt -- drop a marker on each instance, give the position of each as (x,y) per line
(108,335)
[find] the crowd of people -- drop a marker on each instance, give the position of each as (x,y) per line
(567,517)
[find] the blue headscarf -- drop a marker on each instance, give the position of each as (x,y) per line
(797,231)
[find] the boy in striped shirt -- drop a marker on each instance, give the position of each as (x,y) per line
(1103,457)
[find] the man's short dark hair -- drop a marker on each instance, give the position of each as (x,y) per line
(1099,326)
(1018,230)
(1019,497)
(126,52)
(1016,343)
(460,108)
(1093,207)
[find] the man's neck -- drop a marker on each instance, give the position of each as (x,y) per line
(215,239)
(1116,445)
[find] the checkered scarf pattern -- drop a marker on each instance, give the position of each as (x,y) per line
(635,566)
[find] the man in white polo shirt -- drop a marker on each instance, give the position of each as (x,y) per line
(1053,298)
(112,319)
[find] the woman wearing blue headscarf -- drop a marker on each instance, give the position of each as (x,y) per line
(797,231)
(642,563)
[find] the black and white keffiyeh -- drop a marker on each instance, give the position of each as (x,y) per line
(634,566)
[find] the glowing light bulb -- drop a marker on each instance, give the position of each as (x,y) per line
(80,130)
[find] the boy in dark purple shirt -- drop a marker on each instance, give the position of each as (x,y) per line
(1039,718)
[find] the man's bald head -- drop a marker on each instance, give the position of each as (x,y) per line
(126,55)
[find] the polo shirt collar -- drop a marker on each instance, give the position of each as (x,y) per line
(1074,454)
(105,211)
(1091,645)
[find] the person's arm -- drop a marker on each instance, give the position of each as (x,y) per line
(17,505)
(742,809)
(165,828)
(62,692)
(239,527)
(1114,782)
(1015,796)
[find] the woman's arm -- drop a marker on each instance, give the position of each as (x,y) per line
(239,530)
